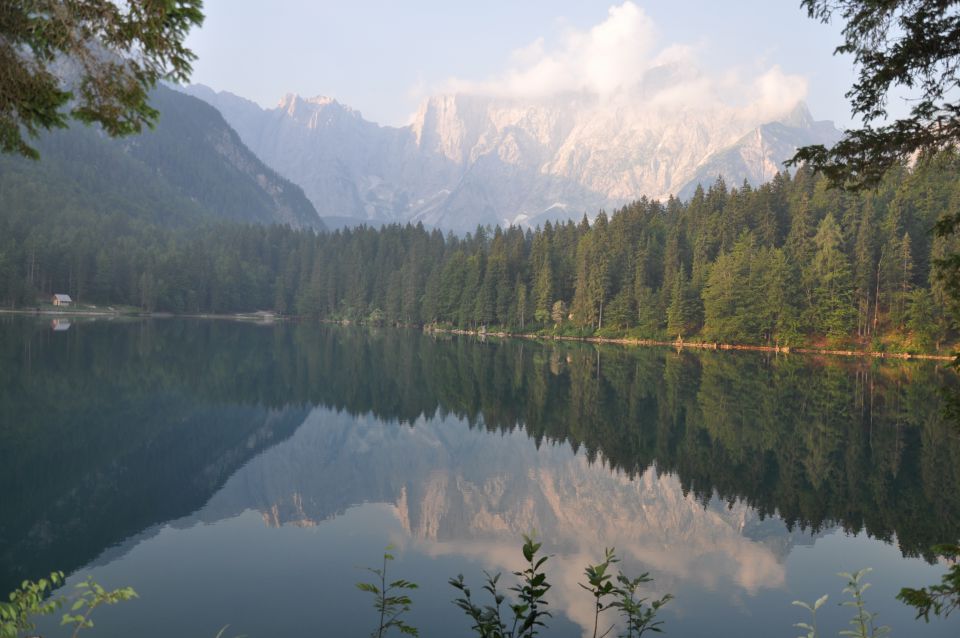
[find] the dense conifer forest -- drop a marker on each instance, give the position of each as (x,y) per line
(790,262)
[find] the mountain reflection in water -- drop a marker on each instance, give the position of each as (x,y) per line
(460,492)
(708,469)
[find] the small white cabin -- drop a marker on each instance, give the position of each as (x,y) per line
(62,300)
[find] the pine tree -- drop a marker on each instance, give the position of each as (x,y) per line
(832,308)
(520,310)
(542,276)
(467,315)
(599,281)
(905,268)
(584,311)
(727,295)
(543,291)
(649,313)
(799,248)
(864,273)
(679,311)
(921,319)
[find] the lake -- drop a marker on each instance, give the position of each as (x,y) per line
(243,474)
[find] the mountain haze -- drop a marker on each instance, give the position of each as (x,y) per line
(469,159)
(192,167)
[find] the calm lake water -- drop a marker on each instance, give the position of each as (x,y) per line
(242,475)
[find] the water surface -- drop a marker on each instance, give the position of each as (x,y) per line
(244,474)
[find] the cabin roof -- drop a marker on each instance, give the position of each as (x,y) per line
(61,297)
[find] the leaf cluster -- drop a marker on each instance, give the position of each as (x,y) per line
(528,615)
(909,44)
(600,585)
(31,599)
(34,598)
(390,601)
(92,595)
(941,599)
(811,627)
(863,621)
(637,615)
(92,60)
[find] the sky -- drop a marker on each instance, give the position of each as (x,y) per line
(384,58)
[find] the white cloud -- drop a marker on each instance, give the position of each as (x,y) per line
(622,57)
(609,57)
(776,91)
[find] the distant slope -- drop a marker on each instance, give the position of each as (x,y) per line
(192,167)
(353,170)
(757,156)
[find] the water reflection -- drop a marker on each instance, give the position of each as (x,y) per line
(455,491)
(60,325)
(709,469)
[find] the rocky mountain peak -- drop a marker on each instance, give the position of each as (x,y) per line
(798,117)
(469,159)
(315,111)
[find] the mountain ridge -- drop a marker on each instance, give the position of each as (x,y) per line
(192,167)
(470,159)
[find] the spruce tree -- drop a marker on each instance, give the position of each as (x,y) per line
(832,308)
(678,312)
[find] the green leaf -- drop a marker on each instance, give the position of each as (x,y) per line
(528,552)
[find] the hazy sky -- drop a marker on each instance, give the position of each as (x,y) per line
(383,57)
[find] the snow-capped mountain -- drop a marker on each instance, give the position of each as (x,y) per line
(471,159)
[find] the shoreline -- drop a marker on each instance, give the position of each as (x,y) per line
(622,341)
(701,345)
(66,314)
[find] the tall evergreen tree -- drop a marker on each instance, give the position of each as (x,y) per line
(830,269)
(679,312)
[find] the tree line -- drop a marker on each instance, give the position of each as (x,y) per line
(787,262)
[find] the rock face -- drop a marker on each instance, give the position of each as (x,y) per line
(469,159)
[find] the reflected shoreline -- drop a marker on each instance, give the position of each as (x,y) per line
(142,422)
(680,344)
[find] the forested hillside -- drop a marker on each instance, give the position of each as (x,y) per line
(786,263)
(191,168)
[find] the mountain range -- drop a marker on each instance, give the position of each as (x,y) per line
(468,159)
(464,160)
